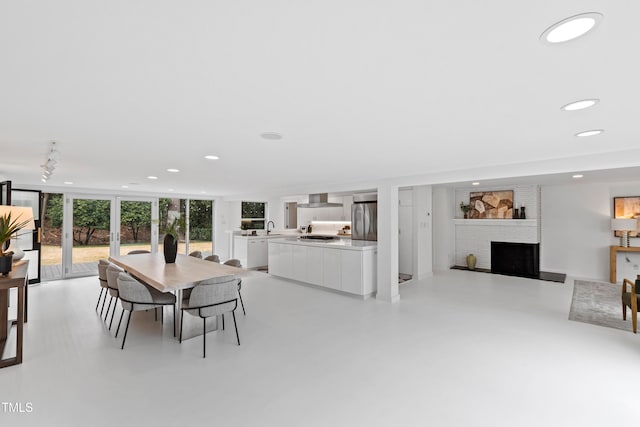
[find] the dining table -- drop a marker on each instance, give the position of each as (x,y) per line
(185,273)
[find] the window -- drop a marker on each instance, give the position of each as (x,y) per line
(253,215)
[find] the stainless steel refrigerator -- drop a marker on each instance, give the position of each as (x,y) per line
(364,217)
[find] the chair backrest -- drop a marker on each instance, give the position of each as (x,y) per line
(112,276)
(132,291)
(138,251)
(215,296)
(196,254)
(233,262)
(214,258)
(102,272)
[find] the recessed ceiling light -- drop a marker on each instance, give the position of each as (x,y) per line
(571,28)
(68,182)
(273,136)
(580,105)
(152,177)
(591,132)
(203,192)
(475,183)
(173,170)
(124,186)
(170,189)
(211,157)
(576,176)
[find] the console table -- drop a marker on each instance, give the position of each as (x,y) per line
(613,252)
(17,278)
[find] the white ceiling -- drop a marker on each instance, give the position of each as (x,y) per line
(360,90)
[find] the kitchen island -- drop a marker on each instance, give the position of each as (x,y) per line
(341,264)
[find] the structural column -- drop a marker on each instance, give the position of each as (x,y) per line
(388,243)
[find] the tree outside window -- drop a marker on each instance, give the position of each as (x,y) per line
(253,215)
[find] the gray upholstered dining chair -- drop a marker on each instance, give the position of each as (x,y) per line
(236,263)
(214,258)
(104,287)
(196,254)
(112,275)
(136,296)
(212,297)
(138,251)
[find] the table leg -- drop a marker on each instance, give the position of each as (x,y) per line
(178,314)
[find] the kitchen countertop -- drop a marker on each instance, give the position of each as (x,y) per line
(353,245)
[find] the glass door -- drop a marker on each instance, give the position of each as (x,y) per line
(89,233)
(138,225)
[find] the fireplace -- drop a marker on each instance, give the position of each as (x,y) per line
(515,259)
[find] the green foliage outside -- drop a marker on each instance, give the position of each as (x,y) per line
(135,216)
(91,215)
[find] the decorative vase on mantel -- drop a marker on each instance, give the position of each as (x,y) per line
(170,249)
(471,262)
(523,215)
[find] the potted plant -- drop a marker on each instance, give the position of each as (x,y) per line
(465,209)
(8,227)
(171,237)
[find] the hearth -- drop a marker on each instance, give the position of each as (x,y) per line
(516,259)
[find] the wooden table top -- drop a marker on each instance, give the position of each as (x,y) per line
(15,278)
(183,274)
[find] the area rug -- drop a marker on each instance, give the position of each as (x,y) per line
(598,303)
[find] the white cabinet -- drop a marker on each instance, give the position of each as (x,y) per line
(252,252)
(351,271)
(331,267)
(315,267)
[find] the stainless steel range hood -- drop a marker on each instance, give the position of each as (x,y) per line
(319,201)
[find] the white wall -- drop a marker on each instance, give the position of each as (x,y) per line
(443,237)
(576,234)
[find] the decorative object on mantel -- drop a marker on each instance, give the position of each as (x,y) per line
(491,204)
(171,243)
(471,261)
(624,226)
(523,215)
(12,220)
(628,208)
(516,213)
(465,209)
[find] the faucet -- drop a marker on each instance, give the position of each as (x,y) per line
(272,223)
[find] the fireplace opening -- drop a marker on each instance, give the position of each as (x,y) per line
(515,259)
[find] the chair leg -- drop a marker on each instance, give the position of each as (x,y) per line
(99,298)
(624,311)
(174,319)
(119,323)
(104,301)
(162,315)
(222,321)
(114,312)
(126,329)
(108,308)
(236,326)
(634,320)
(204,337)
(181,322)
(241,302)
(155,310)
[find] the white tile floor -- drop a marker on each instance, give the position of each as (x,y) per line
(459,349)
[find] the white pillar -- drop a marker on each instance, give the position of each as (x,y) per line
(388,243)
